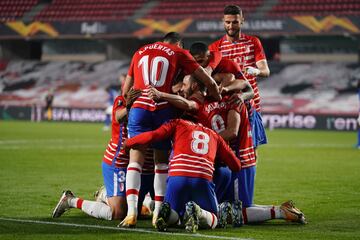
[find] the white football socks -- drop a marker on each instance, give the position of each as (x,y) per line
(261,213)
(133,182)
(92,208)
(161,173)
(207,219)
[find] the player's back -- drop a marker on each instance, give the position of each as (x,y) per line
(157,64)
(195,148)
(215,116)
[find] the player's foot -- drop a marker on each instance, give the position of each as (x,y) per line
(63,204)
(224,214)
(291,213)
(192,213)
(163,217)
(236,214)
(154,219)
(100,195)
(128,222)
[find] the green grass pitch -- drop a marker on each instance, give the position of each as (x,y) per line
(319,170)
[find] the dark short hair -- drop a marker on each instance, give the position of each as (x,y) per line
(200,84)
(172,38)
(232,10)
(198,48)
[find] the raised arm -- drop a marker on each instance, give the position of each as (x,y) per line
(175,100)
(232,126)
(209,82)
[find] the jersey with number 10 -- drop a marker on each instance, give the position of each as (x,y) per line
(195,148)
(158,64)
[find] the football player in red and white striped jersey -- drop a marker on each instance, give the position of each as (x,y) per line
(156,65)
(248,53)
(190,169)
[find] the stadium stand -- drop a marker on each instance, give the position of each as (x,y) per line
(311,88)
(88,10)
(115,10)
(195,9)
(302,88)
(11,10)
(286,8)
(76,84)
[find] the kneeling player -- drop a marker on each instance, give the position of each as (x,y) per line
(190,191)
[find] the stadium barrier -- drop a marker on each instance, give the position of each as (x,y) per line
(271,120)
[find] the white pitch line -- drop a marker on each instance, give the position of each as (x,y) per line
(121,229)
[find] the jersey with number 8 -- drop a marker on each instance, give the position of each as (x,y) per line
(157,64)
(195,148)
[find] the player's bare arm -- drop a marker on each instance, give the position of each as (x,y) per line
(129,82)
(121,115)
(175,100)
(209,82)
(224,78)
(233,124)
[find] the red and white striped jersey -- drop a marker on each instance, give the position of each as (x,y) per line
(245,52)
(158,64)
(195,148)
(114,152)
(215,116)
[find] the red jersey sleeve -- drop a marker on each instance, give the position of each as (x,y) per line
(119,103)
(163,132)
(228,66)
(215,59)
(215,45)
(258,50)
(187,62)
(226,155)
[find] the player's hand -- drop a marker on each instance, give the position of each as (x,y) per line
(153,93)
(131,96)
(252,71)
(215,93)
(222,89)
(236,99)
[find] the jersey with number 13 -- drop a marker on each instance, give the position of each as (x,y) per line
(158,64)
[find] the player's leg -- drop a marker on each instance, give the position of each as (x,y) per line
(201,212)
(161,157)
(137,123)
(242,192)
(257,128)
(146,189)
(114,181)
(261,213)
(166,217)
(222,181)
(92,208)
(173,207)
(161,174)
(133,183)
